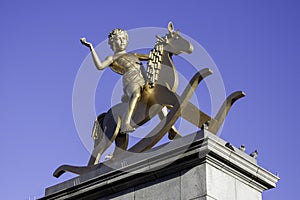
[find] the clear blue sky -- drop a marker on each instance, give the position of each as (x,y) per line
(255,45)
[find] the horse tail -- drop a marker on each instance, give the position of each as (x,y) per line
(97,133)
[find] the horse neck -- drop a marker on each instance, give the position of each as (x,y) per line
(169,74)
(167,60)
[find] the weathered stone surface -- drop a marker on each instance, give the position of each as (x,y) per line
(162,188)
(220,185)
(193,182)
(246,192)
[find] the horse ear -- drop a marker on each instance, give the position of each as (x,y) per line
(171,27)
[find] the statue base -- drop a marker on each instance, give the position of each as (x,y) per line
(197,166)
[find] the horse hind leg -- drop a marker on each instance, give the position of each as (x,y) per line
(173,132)
(106,135)
(97,135)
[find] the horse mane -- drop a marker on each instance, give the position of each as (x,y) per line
(154,62)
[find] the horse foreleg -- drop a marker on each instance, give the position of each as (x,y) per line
(173,132)
(121,144)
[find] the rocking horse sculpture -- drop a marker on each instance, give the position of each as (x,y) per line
(157,93)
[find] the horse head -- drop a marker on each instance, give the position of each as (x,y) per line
(174,43)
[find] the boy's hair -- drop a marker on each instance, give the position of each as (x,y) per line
(114,33)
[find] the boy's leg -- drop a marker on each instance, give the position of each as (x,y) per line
(135,97)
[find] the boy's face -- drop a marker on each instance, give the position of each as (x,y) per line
(120,42)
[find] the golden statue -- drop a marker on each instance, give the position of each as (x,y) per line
(153,88)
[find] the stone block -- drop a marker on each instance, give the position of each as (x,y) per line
(246,192)
(193,182)
(220,185)
(164,188)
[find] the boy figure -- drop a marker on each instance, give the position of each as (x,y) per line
(126,64)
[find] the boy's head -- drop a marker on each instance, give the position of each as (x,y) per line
(118,39)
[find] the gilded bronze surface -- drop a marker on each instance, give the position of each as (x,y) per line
(146,94)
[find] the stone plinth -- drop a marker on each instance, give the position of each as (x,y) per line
(197,166)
